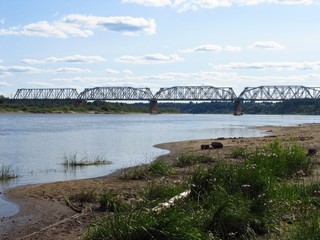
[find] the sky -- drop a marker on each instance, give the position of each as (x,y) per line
(158,43)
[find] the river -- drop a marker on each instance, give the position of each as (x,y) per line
(34,145)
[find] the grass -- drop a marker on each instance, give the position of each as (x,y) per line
(239,152)
(72,161)
(155,169)
(85,196)
(110,202)
(192,159)
(159,191)
(260,197)
(6,173)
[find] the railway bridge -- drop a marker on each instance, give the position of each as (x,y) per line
(177,93)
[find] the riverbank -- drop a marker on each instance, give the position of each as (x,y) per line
(45,215)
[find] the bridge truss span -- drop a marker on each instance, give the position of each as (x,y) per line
(279,93)
(201,93)
(46,93)
(116,93)
(45,96)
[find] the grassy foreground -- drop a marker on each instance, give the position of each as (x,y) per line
(268,194)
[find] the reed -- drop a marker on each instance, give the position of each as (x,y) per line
(73,161)
(6,173)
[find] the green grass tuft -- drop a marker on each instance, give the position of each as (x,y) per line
(155,169)
(192,159)
(6,173)
(73,161)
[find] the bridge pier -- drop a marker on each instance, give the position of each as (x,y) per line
(237,107)
(153,106)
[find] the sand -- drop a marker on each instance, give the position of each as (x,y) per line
(44,213)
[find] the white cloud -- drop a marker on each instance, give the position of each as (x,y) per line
(184,5)
(212,48)
(111,71)
(150,59)
(77,25)
(18,69)
(267,45)
(31,61)
(125,24)
(2,20)
(204,48)
(75,59)
(72,70)
(67,59)
(153,3)
(5,84)
(46,29)
(41,84)
(276,66)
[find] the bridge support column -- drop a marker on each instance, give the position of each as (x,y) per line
(237,107)
(153,106)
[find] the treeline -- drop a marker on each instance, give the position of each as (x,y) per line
(82,107)
(306,106)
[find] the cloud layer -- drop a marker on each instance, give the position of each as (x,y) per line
(184,5)
(268,45)
(150,59)
(76,25)
(67,59)
(275,66)
(212,48)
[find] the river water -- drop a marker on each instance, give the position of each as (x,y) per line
(34,145)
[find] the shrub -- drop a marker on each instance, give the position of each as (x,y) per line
(157,168)
(191,159)
(110,202)
(239,153)
(282,160)
(159,191)
(86,196)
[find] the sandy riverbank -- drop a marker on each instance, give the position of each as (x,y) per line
(44,214)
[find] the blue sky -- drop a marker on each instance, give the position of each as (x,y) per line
(158,43)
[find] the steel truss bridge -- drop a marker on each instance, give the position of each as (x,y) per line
(178,93)
(279,93)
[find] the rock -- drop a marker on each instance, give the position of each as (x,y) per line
(312,151)
(205,146)
(217,145)
(221,138)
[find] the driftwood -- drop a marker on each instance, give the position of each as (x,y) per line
(171,201)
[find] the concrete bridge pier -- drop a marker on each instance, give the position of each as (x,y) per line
(153,106)
(237,107)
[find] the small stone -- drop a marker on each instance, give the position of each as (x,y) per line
(312,151)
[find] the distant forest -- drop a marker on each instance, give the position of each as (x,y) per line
(306,106)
